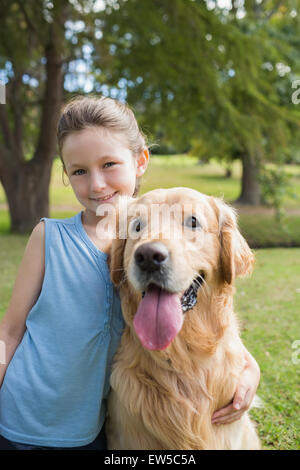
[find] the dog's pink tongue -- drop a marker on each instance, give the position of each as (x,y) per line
(158,318)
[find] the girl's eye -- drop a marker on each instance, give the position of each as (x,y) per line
(192,222)
(109,164)
(78,172)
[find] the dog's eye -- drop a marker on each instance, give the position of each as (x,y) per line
(136,226)
(192,222)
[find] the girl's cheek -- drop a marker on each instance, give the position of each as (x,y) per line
(79,187)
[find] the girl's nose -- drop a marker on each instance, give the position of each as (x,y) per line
(97,182)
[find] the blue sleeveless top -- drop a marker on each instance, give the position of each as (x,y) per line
(55,387)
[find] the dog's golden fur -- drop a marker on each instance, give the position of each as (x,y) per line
(165,399)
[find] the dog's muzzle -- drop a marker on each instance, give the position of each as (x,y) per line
(152,257)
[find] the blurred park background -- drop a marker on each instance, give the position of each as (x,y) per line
(215,86)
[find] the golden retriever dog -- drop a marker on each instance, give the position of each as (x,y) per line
(180,355)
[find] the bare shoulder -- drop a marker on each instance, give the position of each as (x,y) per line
(34,255)
(38,233)
(39,228)
(33,262)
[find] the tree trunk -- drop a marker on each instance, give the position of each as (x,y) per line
(228,172)
(26,183)
(250,191)
(27,195)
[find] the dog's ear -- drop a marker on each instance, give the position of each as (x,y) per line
(236,258)
(115,260)
(115,257)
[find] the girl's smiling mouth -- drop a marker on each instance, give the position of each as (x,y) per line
(104,198)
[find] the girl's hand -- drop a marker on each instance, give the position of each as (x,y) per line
(244,394)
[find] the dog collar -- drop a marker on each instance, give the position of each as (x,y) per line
(189,298)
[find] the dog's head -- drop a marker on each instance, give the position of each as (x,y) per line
(178,241)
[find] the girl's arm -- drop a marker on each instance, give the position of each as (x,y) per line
(26,290)
(244,394)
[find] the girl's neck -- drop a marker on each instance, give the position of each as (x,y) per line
(89,222)
(90,219)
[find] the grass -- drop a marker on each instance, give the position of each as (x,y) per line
(268,308)
(262,230)
(268,303)
(12,248)
(258,226)
(184,170)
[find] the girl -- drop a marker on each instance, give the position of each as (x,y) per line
(64,320)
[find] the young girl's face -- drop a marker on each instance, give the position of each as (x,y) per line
(100,166)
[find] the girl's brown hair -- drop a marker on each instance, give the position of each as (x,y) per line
(82,112)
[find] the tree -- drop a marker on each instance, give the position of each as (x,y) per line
(35,51)
(270,121)
(191,69)
(195,70)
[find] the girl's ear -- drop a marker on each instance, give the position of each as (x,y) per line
(236,258)
(142,162)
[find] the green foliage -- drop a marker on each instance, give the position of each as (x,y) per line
(276,186)
(27,29)
(207,74)
(267,305)
(263,230)
(200,148)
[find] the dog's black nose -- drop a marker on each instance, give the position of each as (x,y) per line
(150,256)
